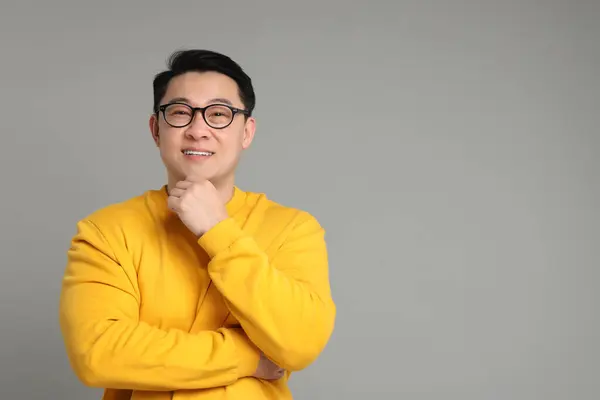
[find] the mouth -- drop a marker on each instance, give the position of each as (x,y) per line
(197,153)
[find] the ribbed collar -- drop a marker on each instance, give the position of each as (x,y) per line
(236,202)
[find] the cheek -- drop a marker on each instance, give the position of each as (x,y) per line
(239,141)
(232,146)
(169,142)
(169,150)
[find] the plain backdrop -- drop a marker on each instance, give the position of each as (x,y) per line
(450,149)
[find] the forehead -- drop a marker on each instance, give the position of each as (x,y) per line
(201,87)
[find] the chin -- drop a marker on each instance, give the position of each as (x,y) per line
(202,170)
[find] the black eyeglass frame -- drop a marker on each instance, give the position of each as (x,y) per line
(234,112)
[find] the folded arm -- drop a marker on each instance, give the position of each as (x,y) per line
(108,346)
(284,305)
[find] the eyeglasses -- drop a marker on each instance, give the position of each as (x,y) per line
(217,116)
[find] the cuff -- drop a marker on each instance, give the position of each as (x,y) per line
(220,237)
(248,353)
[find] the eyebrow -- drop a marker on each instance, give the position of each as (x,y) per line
(221,100)
(211,101)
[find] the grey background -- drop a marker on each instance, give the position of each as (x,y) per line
(450,148)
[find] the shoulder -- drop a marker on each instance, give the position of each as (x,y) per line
(285,230)
(133,213)
(276,213)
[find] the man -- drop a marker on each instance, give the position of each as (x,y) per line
(197,290)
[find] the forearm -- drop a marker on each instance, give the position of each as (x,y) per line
(128,355)
(287,314)
(287,321)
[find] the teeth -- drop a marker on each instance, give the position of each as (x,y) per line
(197,153)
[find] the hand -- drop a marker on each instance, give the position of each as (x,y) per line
(268,370)
(198,205)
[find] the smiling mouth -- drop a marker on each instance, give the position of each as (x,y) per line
(197,153)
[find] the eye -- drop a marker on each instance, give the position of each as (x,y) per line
(178,109)
(218,113)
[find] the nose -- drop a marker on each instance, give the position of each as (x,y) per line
(198,128)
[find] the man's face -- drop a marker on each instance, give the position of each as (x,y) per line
(201,90)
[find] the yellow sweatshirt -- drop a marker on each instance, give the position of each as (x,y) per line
(148,311)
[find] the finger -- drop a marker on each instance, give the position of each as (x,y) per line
(277,375)
(185,184)
(176,192)
(174,203)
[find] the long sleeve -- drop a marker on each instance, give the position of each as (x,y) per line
(283,303)
(107,344)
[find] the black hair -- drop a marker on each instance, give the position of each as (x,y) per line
(196,60)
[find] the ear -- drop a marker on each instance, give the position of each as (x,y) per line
(153,123)
(249,130)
